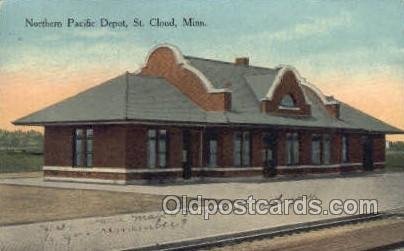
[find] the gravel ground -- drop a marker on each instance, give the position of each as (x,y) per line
(361,236)
(23,204)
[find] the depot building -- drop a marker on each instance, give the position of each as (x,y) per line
(184,117)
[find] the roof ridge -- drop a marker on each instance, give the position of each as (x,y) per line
(230,63)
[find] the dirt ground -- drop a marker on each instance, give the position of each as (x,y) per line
(361,236)
(24,204)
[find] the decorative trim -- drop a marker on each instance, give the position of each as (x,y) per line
(85,180)
(185,64)
(379,163)
(278,79)
(318,166)
(300,80)
(219,169)
(317,91)
(289,108)
(214,169)
(108,169)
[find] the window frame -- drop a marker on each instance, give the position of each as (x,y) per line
(157,138)
(324,151)
(318,139)
(243,155)
(284,102)
(292,150)
(211,136)
(84,154)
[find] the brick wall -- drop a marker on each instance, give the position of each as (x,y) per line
(196,147)
(355,148)
(136,147)
(225,144)
(305,139)
(175,147)
(281,157)
(58,146)
(126,146)
(256,148)
(162,63)
(336,148)
(109,146)
(379,148)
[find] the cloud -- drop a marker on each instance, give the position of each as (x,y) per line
(75,56)
(299,31)
(315,26)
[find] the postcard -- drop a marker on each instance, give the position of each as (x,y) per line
(201,125)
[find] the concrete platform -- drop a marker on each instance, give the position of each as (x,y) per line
(139,230)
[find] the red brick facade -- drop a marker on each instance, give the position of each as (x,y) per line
(125,147)
(163,63)
(289,85)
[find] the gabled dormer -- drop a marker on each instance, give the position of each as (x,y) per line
(167,61)
(285,96)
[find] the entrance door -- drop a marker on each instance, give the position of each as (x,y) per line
(269,153)
(186,154)
(367,152)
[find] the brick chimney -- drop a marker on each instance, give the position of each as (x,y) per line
(242,61)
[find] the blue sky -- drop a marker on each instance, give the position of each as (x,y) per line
(326,35)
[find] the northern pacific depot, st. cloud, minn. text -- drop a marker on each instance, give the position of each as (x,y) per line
(136,22)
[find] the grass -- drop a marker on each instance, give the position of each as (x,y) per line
(20,162)
(24,204)
(395,160)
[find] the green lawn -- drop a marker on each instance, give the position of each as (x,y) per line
(20,162)
(395,160)
(28,162)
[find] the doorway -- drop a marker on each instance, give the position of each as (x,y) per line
(186,154)
(367,152)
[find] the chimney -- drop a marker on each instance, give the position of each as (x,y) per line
(242,61)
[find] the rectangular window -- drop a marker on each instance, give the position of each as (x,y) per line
(320,149)
(344,149)
(242,148)
(211,147)
(212,153)
(326,149)
(292,149)
(157,148)
(316,149)
(83,147)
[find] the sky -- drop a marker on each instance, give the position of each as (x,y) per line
(352,50)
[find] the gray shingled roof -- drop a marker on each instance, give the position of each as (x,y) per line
(133,97)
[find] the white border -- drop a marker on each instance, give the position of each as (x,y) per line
(281,107)
(85,180)
(218,169)
(108,169)
(318,166)
(179,58)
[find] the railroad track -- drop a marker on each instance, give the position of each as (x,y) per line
(231,239)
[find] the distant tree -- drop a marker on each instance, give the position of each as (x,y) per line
(21,140)
(397,146)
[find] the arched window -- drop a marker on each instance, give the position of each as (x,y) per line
(287,101)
